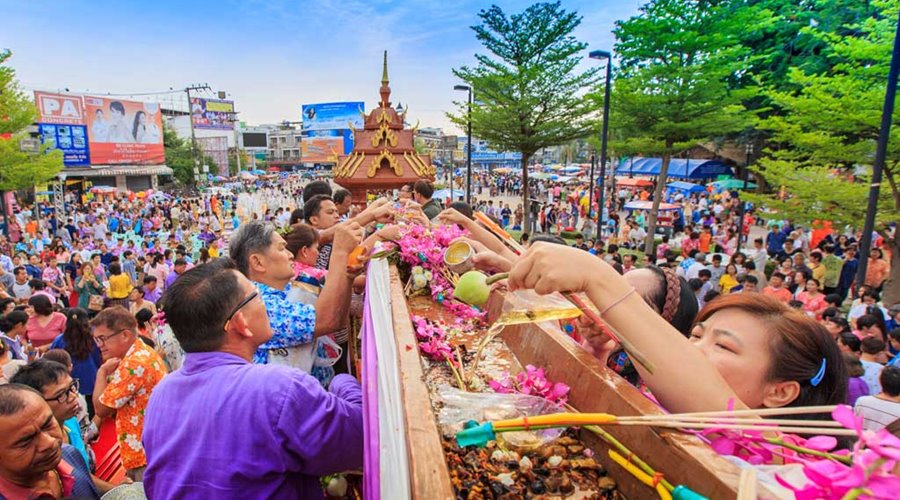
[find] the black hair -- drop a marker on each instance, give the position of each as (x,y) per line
(872,345)
(296,216)
(710,296)
(115,269)
(424,188)
(749,278)
(683,318)
(867,320)
(117,106)
(705,272)
(312,207)
(834,299)
(19,269)
(149,279)
(547,238)
(850,340)
(197,303)
(39,374)
(77,335)
(696,284)
(464,208)
(5,302)
(339,195)
(11,320)
(890,381)
(143,316)
(41,304)
(12,398)
(316,188)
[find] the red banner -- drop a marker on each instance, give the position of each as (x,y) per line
(124,132)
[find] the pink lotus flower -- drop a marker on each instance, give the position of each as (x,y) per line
(531,382)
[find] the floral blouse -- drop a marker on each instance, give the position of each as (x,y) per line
(292,323)
(128,392)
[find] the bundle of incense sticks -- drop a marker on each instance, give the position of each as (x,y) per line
(733,420)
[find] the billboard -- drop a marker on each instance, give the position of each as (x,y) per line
(256,140)
(214,114)
(321,149)
(346,135)
(333,115)
(60,109)
(124,132)
(72,140)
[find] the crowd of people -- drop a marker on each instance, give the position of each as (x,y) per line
(217,331)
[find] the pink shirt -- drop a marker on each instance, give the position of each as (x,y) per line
(39,335)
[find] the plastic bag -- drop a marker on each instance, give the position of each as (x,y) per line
(526,306)
(460,407)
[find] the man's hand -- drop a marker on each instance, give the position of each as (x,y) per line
(380,210)
(109,366)
(347,236)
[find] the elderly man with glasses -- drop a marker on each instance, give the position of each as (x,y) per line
(130,372)
(223,427)
(261,254)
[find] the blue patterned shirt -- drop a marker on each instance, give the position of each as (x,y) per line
(293,323)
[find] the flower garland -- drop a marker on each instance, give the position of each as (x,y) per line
(423,250)
(532,382)
(866,471)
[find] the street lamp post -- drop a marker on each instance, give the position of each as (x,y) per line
(878,165)
(467,88)
(743,205)
(602,54)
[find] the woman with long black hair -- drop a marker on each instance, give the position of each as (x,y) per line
(76,339)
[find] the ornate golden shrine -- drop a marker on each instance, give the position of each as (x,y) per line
(383,155)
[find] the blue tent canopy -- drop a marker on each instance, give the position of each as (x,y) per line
(687,187)
(679,168)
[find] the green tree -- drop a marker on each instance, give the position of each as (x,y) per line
(179,158)
(20,169)
(530,93)
(672,87)
(824,143)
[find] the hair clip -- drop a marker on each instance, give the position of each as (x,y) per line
(815,381)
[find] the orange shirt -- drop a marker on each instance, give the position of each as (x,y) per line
(782,294)
(31,227)
(128,392)
(705,238)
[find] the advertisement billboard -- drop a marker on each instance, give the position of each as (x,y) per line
(346,136)
(72,140)
(61,109)
(321,149)
(124,132)
(333,115)
(214,114)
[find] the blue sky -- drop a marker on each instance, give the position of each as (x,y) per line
(271,56)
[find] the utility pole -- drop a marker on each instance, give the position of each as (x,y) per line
(187,90)
(877,167)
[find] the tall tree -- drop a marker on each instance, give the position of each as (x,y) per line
(824,143)
(179,157)
(20,169)
(530,91)
(672,89)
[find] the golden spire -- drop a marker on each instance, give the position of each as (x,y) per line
(384,75)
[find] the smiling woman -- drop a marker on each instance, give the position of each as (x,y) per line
(746,350)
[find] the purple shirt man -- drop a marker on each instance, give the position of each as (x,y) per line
(248,431)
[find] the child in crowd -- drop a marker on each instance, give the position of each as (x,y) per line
(882,408)
(856,386)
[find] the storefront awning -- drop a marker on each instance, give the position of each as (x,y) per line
(112,170)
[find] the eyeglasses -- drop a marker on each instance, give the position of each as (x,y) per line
(240,306)
(66,395)
(102,339)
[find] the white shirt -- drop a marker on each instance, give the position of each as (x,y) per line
(877,413)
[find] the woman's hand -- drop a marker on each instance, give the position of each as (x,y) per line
(596,339)
(452,216)
(549,267)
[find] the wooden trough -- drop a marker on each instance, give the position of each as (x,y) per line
(682,458)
